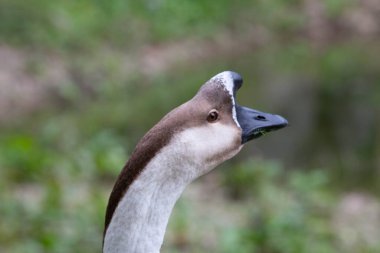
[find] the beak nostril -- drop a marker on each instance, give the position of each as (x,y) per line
(260,117)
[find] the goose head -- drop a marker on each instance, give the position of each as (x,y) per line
(212,127)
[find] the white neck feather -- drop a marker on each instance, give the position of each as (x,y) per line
(139,222)
(140,219)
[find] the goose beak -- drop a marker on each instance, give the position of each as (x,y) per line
(255,123)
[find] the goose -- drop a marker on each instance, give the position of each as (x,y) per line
(185,144)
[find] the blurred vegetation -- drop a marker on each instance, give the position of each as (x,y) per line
(121,65)
(287,212)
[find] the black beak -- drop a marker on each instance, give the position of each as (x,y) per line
(255,123)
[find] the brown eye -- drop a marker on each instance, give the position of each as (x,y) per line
(213,115)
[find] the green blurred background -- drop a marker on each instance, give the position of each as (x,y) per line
(82,80)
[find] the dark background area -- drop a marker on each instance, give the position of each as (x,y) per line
(82,81)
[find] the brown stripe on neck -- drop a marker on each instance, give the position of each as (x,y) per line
(146,149)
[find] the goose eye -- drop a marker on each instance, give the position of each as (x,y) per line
(213,116)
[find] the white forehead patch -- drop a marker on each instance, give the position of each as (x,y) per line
(226,81)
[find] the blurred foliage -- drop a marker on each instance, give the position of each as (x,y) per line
(288,211)
(58,163)
(83,24)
